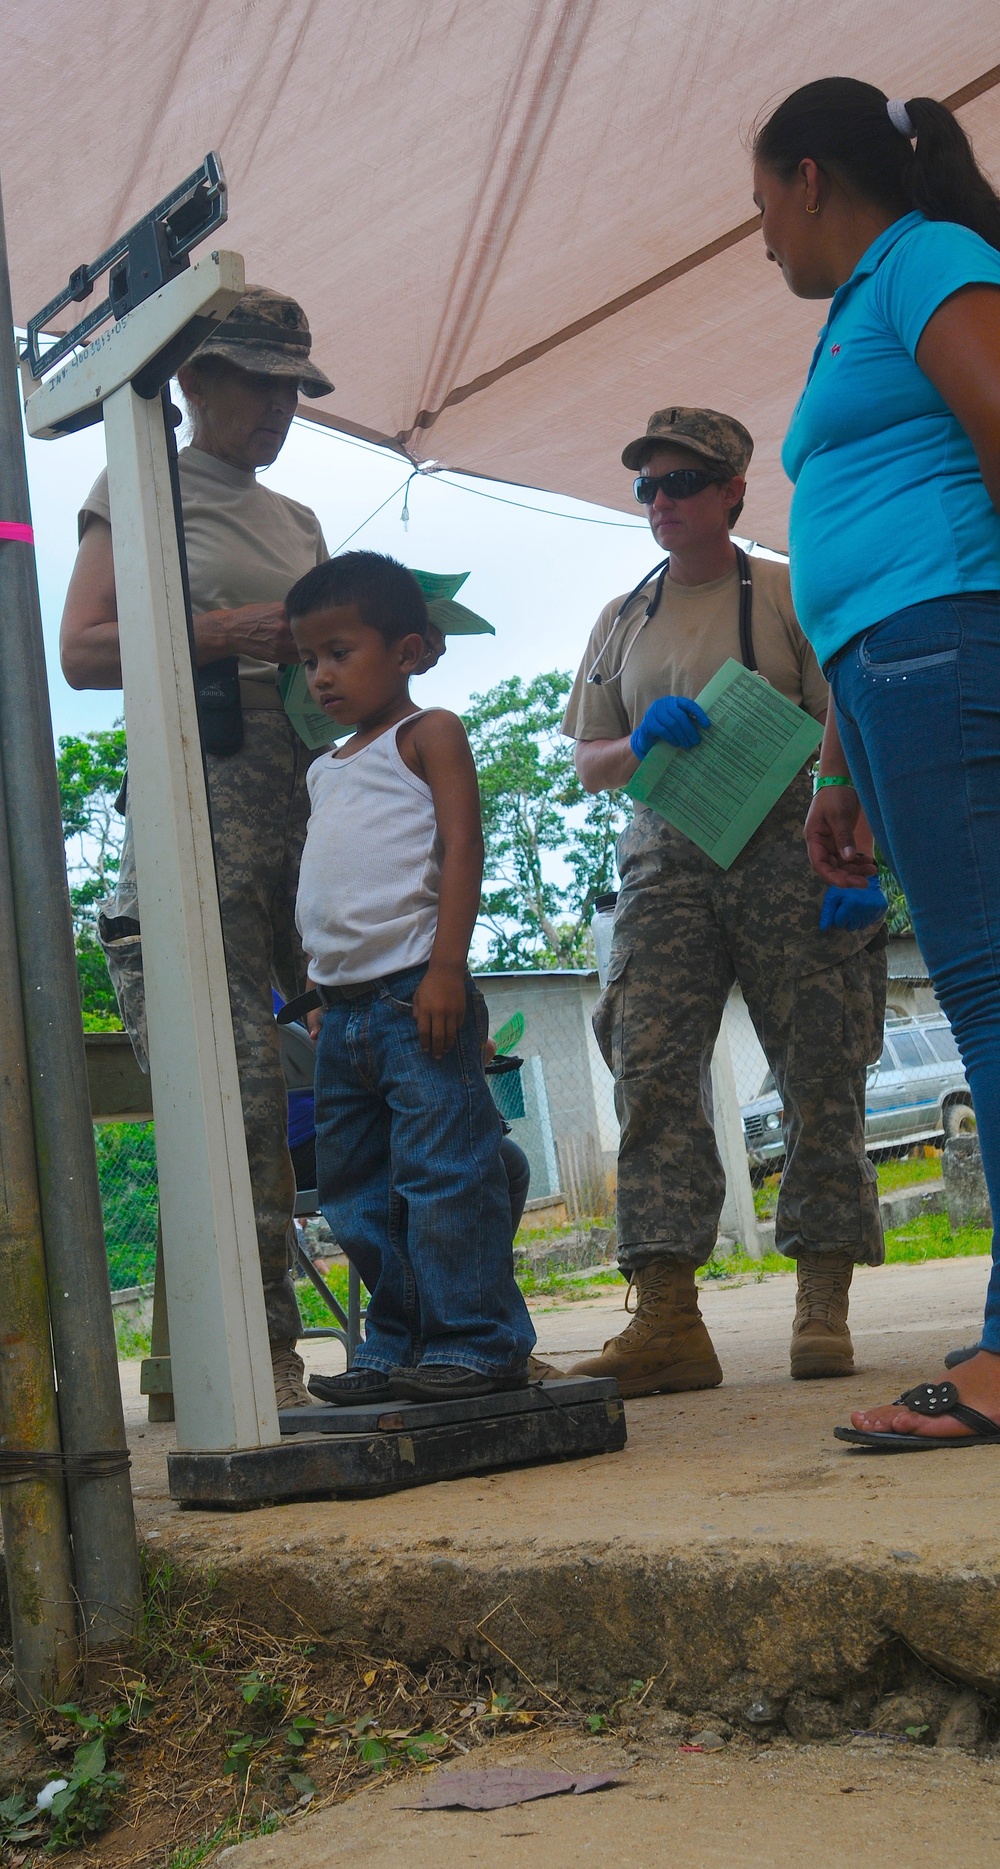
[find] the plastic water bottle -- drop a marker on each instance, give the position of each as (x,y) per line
(601,927)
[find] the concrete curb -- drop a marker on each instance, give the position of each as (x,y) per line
(722,1628)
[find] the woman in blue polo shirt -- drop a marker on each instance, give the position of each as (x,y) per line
(894,451)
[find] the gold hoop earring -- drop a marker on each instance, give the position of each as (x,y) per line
(813,210)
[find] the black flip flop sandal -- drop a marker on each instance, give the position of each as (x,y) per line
(928,1398)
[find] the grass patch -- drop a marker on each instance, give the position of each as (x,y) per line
(907,1171)
(739,1264)
(539,1236)
(567,1285)
(132,1343)
(314,1312)
(929,1237)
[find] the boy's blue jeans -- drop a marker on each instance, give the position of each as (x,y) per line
(408,1162)
(918,706)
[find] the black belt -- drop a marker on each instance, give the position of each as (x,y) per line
(336,995)
(294,1012)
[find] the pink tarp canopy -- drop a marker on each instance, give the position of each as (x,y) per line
(517,226)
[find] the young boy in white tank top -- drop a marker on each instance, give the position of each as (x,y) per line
(407,1134)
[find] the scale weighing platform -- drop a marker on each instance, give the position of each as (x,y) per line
(326,1451)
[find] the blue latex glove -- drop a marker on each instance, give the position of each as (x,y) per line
(674,719)
(853,908)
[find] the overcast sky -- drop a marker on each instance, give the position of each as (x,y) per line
(539,576)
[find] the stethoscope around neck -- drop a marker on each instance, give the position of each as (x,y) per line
(659,572)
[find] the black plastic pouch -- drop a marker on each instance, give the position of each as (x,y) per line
(220,709)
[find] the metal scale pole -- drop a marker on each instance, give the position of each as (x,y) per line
(220,1356)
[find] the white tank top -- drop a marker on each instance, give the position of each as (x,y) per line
(371,868)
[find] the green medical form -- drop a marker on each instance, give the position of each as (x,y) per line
(718,792)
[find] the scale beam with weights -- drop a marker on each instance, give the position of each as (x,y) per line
(115,365)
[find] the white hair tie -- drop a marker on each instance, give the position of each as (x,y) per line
(899,117)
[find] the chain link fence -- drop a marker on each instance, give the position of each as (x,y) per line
(561,1107)
(126,1171)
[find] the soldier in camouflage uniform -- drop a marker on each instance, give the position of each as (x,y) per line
(685,930)
(246,545)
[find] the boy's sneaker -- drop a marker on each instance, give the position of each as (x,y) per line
(353,1388)
(450,1382)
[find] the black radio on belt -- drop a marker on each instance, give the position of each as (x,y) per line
(216,684)
(220,710)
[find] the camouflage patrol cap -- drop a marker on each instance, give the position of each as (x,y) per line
(720,439)
(269,333)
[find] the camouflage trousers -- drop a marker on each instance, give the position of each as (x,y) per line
(684,931)
(259,806)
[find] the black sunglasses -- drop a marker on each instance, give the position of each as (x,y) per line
(681,484)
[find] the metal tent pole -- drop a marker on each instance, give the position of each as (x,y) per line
(90,1410)
(32,1505)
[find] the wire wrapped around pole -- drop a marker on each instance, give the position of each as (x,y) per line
(24,1464)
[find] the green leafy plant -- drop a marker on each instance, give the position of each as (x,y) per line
(21,1822)
(298,1734)
(241,1752)
(90,769)
(384,1748)
(268,1697)
(86,1804)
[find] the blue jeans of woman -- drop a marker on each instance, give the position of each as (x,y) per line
(918,706)
(408,1164)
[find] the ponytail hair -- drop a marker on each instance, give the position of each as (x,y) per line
(845,127)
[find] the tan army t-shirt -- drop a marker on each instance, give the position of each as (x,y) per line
(693,631)
(245,545)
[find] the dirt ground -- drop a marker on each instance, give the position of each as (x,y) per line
(865,1805)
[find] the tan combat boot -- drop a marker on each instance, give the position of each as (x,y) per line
(666,1347)
(288,1370)
(821,1341)
(541,1371)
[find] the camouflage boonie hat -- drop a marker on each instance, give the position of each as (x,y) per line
(720,439)
(267,332)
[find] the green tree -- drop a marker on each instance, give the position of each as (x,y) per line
(90,769)
(536,813)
